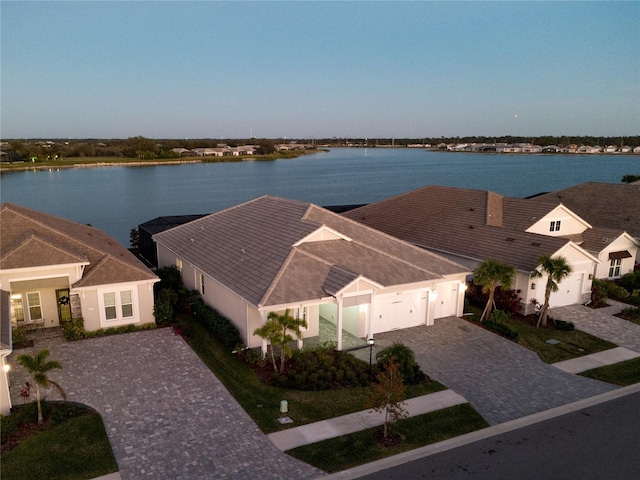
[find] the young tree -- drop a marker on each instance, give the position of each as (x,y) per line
(489,275)
(38,366)
(555,269)
(276,331)
(388,394)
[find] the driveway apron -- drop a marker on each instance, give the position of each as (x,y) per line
(166,414)
(502,380)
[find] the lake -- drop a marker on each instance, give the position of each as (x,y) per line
(116,199)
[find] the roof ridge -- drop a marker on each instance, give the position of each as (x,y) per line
(33,235)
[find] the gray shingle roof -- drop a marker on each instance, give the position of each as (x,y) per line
(463,222)
(31,239)
(611,205)
(250,249)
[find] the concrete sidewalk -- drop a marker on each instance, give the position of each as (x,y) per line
(596,360)
(355,422)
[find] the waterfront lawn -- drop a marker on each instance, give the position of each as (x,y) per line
(76,449)
(622,373)
(358,448)
(262,402)
(572,344)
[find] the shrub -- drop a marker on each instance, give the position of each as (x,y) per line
(505,299)
(598,294)
(74,329)
(613,290)
(499,316)
(19,336)
(564,326)
(406,361)
(630,281)
(502,329)
(220,326)
(630,313)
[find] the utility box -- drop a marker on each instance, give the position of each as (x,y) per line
(284,406)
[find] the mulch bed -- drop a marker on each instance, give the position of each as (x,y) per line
(393,438)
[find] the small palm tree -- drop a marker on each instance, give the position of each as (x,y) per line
(555,269)
(38,366)
(489,275)
(276,329)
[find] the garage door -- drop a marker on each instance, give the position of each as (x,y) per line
(569,291)
(403,310)
(446,301)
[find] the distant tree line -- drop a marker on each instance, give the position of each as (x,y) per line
(147,148)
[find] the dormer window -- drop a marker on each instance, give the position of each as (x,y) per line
(554,226)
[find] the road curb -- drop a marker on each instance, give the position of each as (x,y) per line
(468,438)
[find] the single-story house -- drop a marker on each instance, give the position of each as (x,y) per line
(470,226)
(55,270)
(609,205)
(273,253)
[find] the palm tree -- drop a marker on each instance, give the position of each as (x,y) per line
(489,275)
(38,367)
(555,269)
(276,331)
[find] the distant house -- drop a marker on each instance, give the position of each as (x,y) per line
(469,226)
(610,149)
(183,152)
(588,149)
(625,149)
(55,270)
(272,253)
(636,149)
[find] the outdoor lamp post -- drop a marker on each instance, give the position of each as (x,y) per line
(371,341)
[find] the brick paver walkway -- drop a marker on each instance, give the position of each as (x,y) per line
(166,414)
(502,380)
(601,323)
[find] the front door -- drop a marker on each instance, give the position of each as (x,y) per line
(64,305)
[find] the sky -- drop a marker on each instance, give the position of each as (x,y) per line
(318,69)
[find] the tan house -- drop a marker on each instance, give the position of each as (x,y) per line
(469,226)
(272,253)
(55,269)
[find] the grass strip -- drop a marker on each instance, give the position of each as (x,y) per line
(77,449)
(262,402)
(573,344)
(622,373)
(358,448)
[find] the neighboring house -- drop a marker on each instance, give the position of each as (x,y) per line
(272,253)
(5,350)
(607,205)
(469,226)
(55,269)
(146,231)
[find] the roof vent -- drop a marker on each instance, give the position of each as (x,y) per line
(471,227)
(511,239)
(535,244)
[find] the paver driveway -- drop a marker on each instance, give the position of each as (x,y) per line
(502,380)
(166,414)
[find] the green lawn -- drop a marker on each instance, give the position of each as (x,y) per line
(623,373)
(262,402)
(77,449)
(360,447)
(572,344)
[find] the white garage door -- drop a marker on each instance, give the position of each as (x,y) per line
(399,311)
(569,291)
(446,300)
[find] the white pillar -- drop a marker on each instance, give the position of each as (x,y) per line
(339,322)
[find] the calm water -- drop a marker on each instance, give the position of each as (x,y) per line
(115,199)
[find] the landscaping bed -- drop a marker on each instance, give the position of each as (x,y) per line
(571,343)
(71,444)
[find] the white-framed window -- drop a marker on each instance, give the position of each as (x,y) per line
(179,264)
(118,306)
(35,307)
(614,267)
(17,308)
(202,284)
(554,226)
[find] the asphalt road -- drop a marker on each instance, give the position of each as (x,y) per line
(595,443)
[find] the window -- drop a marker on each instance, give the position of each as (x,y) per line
(35,308)
(17,308)
(202,284)
(118,306)
(554,226)
(110,311)
(614,267)
(126,302)
(179,264)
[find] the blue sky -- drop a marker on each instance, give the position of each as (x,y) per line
(319,69)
